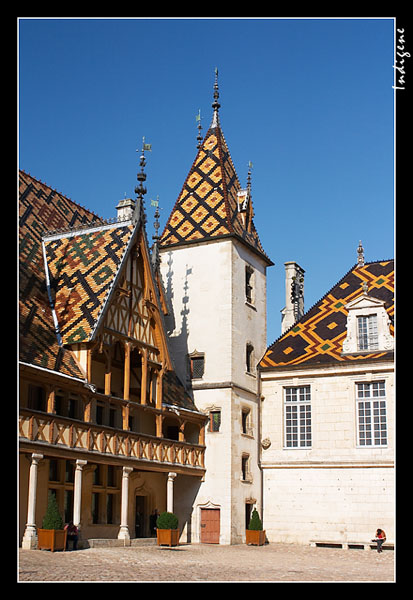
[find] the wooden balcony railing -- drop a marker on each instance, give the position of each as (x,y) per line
(61,431)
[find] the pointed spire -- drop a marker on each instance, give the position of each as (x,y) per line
(215,105)
(140,189)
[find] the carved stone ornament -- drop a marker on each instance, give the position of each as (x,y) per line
(266,443)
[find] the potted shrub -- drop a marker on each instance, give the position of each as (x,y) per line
(167,532)
(52,536)
(255,535)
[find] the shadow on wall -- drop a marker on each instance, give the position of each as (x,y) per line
(178,336)
(186,488)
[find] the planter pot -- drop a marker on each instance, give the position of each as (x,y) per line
(51,539)
(167,537)
(255,538)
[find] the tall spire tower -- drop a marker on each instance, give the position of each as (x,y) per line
(214,272)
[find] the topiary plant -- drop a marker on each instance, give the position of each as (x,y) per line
(167,520)
(255,522)
(52,518)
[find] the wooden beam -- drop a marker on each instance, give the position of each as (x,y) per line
(144,354)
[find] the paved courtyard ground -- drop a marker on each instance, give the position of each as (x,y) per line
(207,563)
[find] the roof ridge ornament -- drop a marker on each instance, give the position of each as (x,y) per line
(199,136)
(215,105)
(140,189)
(360,257)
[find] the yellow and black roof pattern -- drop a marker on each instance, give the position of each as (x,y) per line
(208,206)
(317,338)
(42,209)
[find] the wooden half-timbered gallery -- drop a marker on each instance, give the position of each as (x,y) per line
(104,422)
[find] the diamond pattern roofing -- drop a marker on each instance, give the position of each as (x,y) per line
(317,338)
(207,207)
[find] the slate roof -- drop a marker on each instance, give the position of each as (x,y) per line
(317,338)
(207,207)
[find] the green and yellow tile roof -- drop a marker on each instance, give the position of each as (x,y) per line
(42,208)
(82,269)
(317,338)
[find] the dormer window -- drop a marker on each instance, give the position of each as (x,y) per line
(368,326)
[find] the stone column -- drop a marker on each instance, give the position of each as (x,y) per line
(124,529)
(30,536)
(170,492)
(77,496)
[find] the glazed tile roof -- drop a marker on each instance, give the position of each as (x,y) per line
(207,206)
(317,338)
(42,209)
(82,269)
(82,266)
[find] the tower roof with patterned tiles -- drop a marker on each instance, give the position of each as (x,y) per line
(208,206)
(317,338)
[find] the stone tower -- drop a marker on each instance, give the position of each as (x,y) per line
(214,273)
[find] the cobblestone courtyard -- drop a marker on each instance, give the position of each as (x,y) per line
(207,563)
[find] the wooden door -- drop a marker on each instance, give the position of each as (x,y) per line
(210,525)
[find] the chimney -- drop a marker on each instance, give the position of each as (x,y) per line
(294,295)
(125,209)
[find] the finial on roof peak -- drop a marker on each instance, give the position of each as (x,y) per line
(199,136)
(215,105)
(360,257)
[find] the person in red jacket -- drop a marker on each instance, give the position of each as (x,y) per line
(380,539)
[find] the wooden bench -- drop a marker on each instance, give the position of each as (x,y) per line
(388,545)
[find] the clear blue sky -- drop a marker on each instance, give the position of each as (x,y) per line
(308,101)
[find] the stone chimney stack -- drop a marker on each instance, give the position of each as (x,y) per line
(294,295)
(125,209)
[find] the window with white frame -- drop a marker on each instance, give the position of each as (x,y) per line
(297,417)
(371,414)
(367,335)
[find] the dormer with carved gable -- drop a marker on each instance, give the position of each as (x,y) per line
(368,326)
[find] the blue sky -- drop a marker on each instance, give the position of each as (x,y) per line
(308,101)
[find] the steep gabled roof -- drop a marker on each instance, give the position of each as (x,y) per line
(317,338)
(42,209)
(66,278)
(208,206)
(81,270)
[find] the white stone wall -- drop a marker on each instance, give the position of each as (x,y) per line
(335,489)
(205,284)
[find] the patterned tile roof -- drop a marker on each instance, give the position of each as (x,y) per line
(208,205)
(81,266)
(42,209)
(317,338)
(82,269)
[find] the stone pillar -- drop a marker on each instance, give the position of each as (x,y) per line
(124,529)
(77,496)
(30,536)
(170,492)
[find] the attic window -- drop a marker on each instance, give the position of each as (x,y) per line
(367,335)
